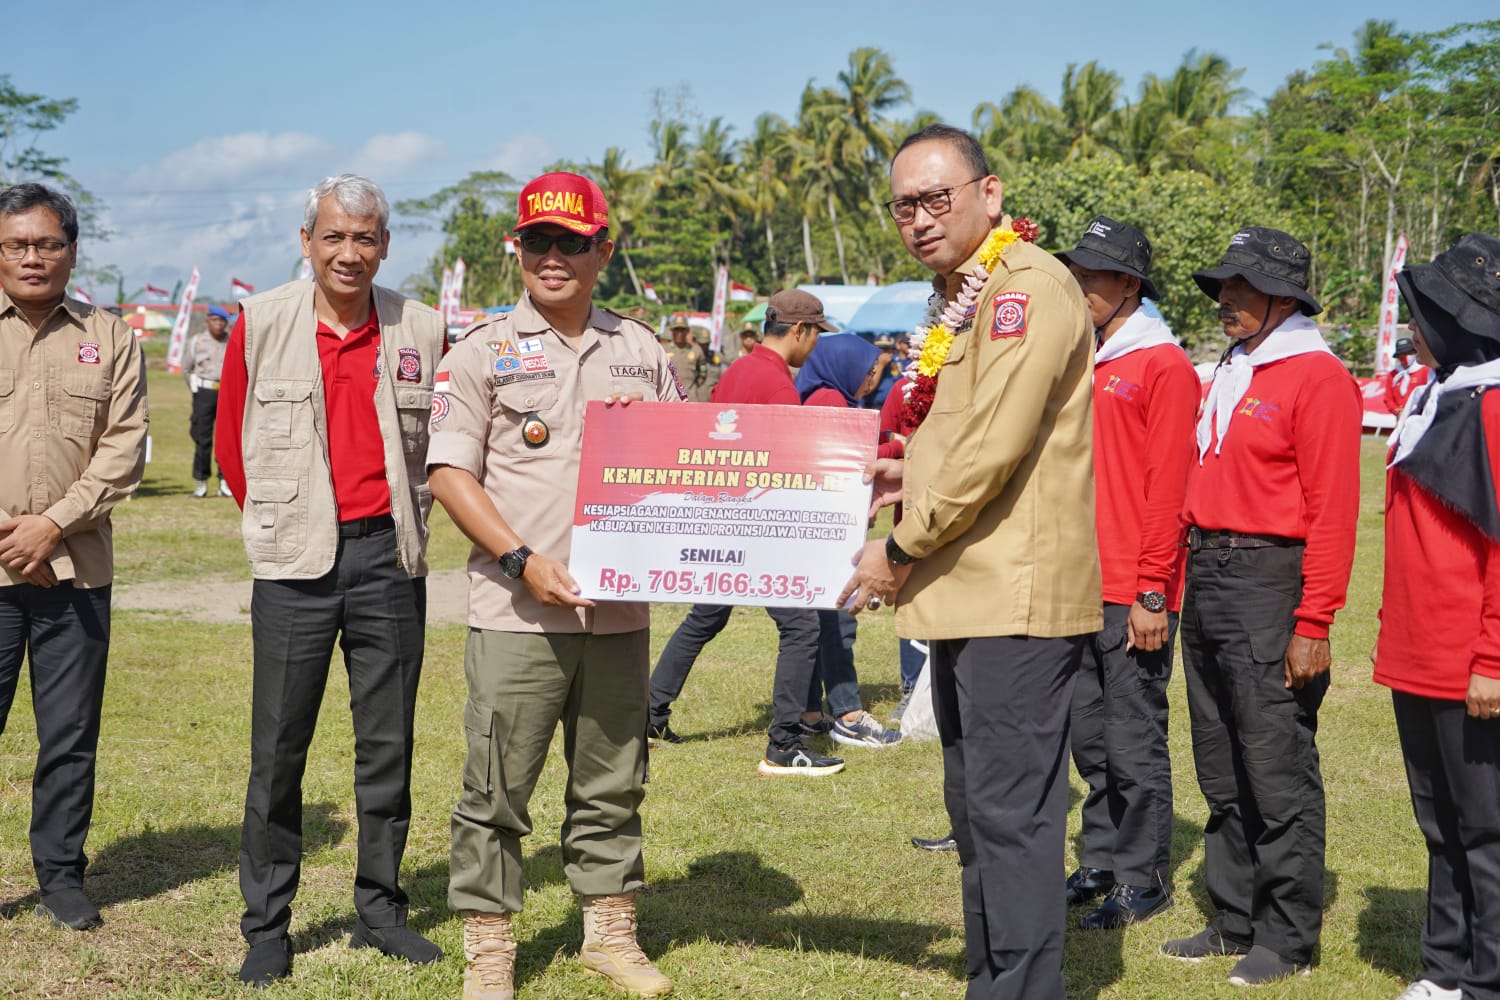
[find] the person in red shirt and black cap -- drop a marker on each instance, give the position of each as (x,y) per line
(1145,398)
(1406,378)
(1271,510)
(1442,538)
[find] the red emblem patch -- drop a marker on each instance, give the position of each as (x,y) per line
(409,368)
(1010,315)
(439,407)
(88,354)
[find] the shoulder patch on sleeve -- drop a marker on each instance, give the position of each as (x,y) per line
(1010,315)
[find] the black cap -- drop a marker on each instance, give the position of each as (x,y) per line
(1273,262)
(1114,246)
(1404,346)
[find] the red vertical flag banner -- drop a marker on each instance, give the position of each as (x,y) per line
(180,328)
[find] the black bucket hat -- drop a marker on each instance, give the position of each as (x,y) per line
(1113,246)
(1405,346)
(1463,282)
(1275,263)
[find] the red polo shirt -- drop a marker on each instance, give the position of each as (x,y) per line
(1440,612)
(1290,467)
(761,376)
(1145,408)
(356,451)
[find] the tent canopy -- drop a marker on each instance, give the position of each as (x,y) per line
(757,314)
(841,301)
(893,309)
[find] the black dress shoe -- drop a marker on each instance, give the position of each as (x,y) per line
(399,941)
(1088,883)
(947,842)
(1127,904)
(69,908)
(267,962)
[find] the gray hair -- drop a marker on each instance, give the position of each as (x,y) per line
(356,194)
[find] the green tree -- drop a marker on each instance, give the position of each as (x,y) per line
(474,215)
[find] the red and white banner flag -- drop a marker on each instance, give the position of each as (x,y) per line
(442,302)
(80,295)
(721,305)
(158,294)
(1385,342)
(239,289)
(180,328)
(649,292)
(304,272)
(510,244)
(455,294)
(741,293)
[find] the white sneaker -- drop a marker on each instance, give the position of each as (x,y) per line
(200,487)
(1426,989)
(224,489)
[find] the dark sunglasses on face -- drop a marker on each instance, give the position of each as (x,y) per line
(568,244)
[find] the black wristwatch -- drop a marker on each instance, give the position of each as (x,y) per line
(895,554)
(1153,601)
(513,563)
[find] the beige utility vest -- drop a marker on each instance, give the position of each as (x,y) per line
(290,523)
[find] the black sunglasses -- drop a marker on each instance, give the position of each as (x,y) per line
(569,244)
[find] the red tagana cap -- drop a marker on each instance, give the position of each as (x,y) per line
(563,199)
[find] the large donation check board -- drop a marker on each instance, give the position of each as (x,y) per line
(709,504)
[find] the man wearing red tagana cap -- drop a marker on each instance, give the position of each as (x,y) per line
(507,430)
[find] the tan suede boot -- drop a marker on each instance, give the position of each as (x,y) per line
(610,948)
(490,956)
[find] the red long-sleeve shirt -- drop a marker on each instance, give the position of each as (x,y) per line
(1290,467)
(1145,407)
(1395,398)
(762,376)
(891,445)
(1440,614)
(356,452)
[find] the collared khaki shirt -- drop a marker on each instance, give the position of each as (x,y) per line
(72,429)
(512,368)
(205,358)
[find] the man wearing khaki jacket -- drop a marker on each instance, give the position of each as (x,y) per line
(322,438)
(995,558)
(72,446)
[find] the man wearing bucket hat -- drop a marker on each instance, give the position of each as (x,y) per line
(1271,509)
(1442,579)
(507,430)
(686,359)
(1145,398)
(1407,376)
(204,368)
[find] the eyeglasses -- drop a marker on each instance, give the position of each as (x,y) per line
(568,244)
(936,203)
(45,249)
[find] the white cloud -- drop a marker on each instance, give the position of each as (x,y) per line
(395,154)
(219,162)
(523,157)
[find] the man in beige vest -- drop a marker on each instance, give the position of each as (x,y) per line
(322,438)
(72,446)
(507,429)
(995,559)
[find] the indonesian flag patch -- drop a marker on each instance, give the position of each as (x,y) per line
(1010,315)
(88,354)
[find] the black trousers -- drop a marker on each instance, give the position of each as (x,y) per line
(378,616)
(1254,748)
(1120,749)
(1453,768)
(1002,714)
(201,426)
(63,632)
(796,655)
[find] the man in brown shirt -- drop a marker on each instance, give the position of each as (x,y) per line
(507,428)
(72,445)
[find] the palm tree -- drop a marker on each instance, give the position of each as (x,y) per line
(825,160)
(765,158)
(870,87)
(622,186)
(1089,99)
(1024,126)
(714,173)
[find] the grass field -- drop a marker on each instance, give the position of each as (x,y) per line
(764,888)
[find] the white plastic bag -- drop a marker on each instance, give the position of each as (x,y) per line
(918,722)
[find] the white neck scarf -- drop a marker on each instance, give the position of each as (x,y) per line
(1414,423)
(1296,335)
(1140,331)
(1404,374)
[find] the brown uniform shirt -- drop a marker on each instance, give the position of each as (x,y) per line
(72,429)
(512,366)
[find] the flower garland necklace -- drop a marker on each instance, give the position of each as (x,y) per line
(933,338)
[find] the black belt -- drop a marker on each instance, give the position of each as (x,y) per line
(362,526)
(1198,539)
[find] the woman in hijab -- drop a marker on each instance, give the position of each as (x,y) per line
(1439,645)
(840,371)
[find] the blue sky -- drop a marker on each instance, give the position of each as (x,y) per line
(202,125)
